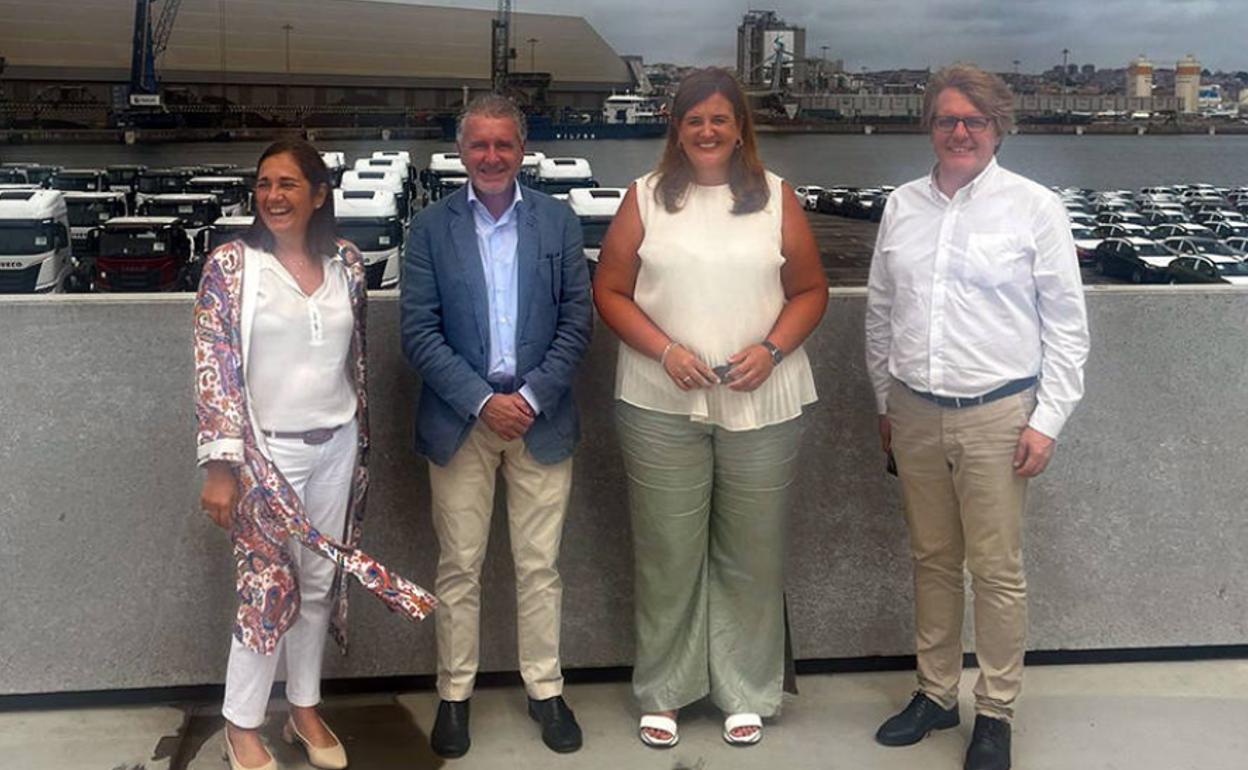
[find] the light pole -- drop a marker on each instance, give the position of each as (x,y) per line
(532,53)
(288,28)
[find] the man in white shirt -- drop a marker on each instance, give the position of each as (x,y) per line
(495,316)
(976,338)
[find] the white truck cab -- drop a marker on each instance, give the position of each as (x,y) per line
(336,163)
(445,175)
(370,219)
(196,210)
(556,176)
(595,207)
(34,241)
(230,191)
(89,210)
(384,180)
(221,232)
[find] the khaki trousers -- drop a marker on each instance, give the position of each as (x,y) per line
(537,502)
(964,505)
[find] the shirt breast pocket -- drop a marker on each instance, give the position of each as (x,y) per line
(994,260)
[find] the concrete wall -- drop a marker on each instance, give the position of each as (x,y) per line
(112,578)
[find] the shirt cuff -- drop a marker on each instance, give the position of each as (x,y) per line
(527,392)
(228,450)
(481,405)
(1047,420)
(881,403)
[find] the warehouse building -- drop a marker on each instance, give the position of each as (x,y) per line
(315,53)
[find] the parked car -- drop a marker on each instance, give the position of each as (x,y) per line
(808,195)
(1208,269)
(1167,216)
(1120,217)
(1200,247)
(1237,242)
(831,199)
(1229,228)
(1121,230)
(1139,260)
(1161,232)
(1085,243)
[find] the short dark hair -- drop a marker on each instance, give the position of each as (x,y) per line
(322,237)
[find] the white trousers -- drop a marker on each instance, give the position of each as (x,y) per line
(321,476)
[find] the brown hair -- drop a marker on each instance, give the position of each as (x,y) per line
(986,91)
(746,176)
(322,227)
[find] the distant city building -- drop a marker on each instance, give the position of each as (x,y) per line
(1209,97)
(766,42)
(1140,78)
(1088,70)
(1187,83)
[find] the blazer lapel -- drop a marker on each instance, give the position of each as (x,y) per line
(464,236)
(527,245)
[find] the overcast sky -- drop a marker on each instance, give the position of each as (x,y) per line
(880,34)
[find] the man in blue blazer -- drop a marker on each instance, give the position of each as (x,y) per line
(496,315)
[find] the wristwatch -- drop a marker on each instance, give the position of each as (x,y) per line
(777,355)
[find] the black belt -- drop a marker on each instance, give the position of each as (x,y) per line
(310,437)
(954,402)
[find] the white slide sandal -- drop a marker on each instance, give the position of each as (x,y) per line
(736,722)
(662,724)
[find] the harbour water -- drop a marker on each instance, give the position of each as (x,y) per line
(1099,162)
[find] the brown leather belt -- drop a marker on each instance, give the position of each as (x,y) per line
(310,437)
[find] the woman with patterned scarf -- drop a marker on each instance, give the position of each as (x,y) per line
(283,437)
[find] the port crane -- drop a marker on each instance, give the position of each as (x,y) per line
(501,52)
(528,89)
(150,41)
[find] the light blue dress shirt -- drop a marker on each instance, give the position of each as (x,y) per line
(497,241)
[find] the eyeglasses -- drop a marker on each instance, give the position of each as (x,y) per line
(948,123)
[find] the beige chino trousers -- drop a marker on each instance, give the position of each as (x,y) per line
(964,505)
(537,502)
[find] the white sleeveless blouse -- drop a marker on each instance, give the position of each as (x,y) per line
(710,280)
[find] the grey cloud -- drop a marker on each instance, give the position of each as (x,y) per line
(917,33)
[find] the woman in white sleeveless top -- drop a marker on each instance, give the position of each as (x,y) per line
(711,278)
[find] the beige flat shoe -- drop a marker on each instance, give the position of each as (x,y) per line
(236,765)
(332,758)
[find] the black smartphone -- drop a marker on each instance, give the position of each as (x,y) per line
(722,370)
(891,465)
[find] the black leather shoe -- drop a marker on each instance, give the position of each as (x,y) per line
(560,732)
(915,721)
(990,745)
(450,732)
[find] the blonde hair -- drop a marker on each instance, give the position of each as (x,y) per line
(986,91)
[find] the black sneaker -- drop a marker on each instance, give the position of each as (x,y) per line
(990,745)
(915,721)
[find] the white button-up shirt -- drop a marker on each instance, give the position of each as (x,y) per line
(971,292)
(497,241)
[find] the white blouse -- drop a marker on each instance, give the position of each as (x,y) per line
(297,371)
(710,279)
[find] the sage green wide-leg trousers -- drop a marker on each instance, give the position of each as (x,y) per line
(708,514)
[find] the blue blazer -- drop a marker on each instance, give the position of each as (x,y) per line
(445,326)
